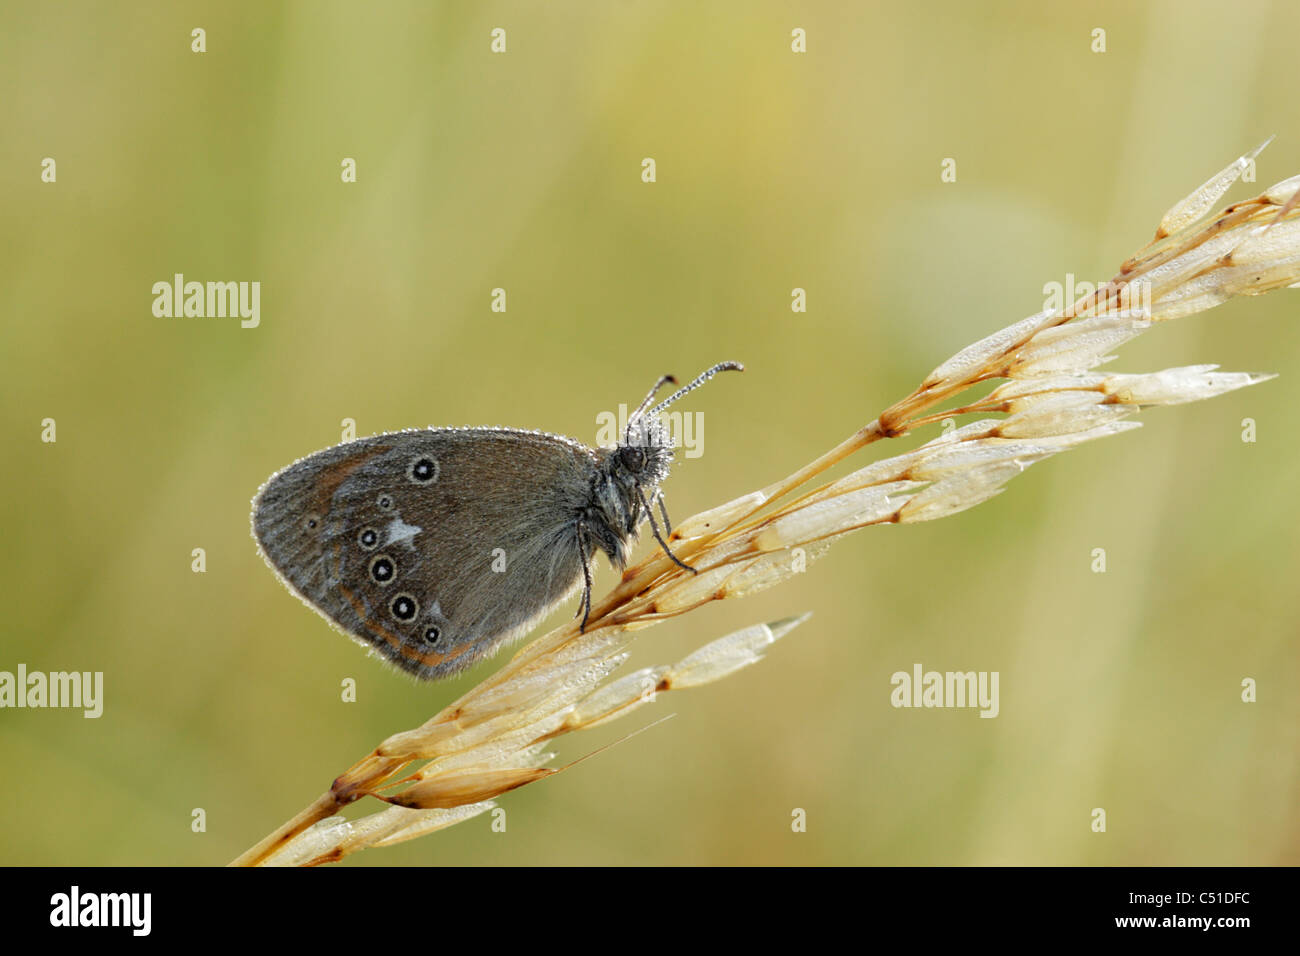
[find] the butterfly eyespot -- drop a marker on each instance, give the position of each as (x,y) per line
(423,471)
(385,502)
(310,523)
(431,635)
(404,607)
(382,569)
(368,539)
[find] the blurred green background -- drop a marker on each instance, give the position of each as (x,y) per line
(522,170)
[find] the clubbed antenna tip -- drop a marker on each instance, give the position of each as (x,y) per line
(696,383)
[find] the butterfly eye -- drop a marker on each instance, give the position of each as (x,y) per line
(633,457)
(423,471)
(368,539)
(404,607)
(382,569)
(431,635)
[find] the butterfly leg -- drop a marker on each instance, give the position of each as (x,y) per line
(663,510)
(585,605)
(654,526)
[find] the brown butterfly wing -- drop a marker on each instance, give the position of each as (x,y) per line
(434,546)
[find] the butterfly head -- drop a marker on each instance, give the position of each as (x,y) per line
(646,452)
(644,455)
(630,475)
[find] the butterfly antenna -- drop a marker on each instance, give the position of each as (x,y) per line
(664,380)
(699,380)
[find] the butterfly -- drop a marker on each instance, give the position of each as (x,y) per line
(437,546)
